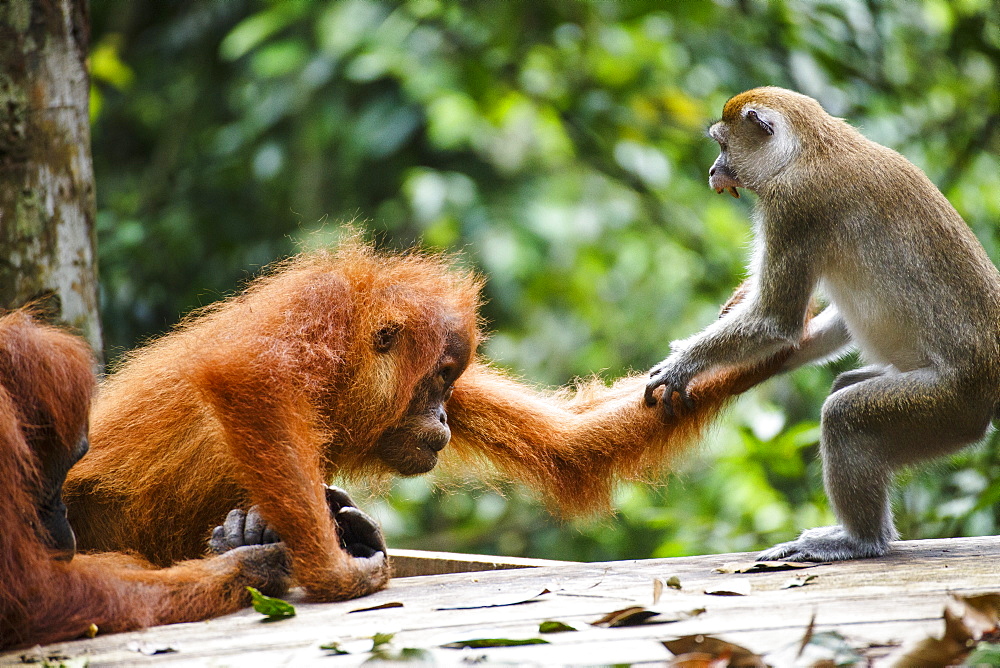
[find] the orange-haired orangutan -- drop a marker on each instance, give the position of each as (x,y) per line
(46,594)
(342,363)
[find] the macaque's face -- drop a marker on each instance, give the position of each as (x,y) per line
(755,144)
(721,175)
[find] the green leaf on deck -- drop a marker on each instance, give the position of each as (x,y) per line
(273,608)
(551,626)
(985,654)
(56,661)
(404,655)
(478,643)
(380,639)
(333,648)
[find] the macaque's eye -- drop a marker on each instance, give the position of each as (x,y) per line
(385,338)
(761,123)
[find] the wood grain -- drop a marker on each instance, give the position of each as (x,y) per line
(896,598)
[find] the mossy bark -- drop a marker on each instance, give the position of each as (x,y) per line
(47,239)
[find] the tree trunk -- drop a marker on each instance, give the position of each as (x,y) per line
(47,241)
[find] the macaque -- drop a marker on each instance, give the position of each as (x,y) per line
(907,283)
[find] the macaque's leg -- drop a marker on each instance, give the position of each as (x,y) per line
(871,428)
(854,376)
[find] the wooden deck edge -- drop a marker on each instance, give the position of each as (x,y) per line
(411,563)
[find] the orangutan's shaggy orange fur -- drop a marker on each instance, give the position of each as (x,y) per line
(261,398)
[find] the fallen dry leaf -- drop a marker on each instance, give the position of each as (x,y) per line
(982,611)
(502,604)
(637,615)
(149,648)
(384,606)
(967,621)
(631,616)
(735,655)
(948,650)
(698,660)
(731,587)
(798,581)
(763,566)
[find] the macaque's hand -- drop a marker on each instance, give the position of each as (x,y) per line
(675,376)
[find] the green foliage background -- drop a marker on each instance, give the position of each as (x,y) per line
(559,145)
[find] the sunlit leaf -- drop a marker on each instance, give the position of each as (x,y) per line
(334,648)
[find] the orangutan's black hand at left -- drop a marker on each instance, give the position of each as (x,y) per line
(359,534)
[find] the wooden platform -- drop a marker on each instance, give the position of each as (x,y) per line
(896,599)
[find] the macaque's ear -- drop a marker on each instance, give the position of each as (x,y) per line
(753,115)
(386,337)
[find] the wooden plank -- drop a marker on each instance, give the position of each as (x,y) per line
(411,563)
(897,598)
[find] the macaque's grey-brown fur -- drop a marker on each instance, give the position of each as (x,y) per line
(907,282)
